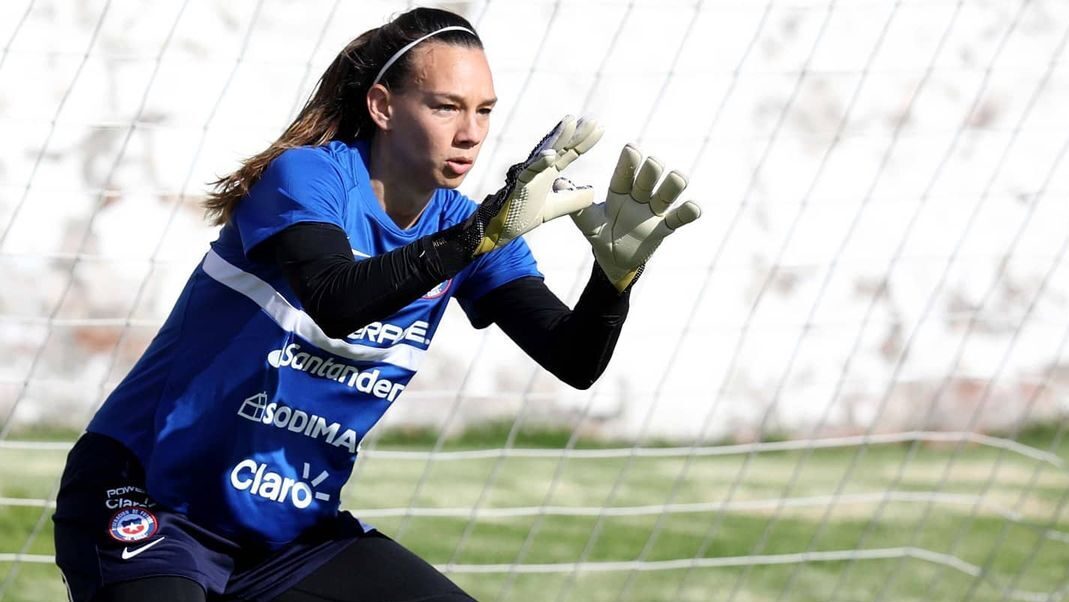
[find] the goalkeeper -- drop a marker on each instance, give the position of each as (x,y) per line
(214,470)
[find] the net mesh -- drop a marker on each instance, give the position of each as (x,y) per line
(846,381)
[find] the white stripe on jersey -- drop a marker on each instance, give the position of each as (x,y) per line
(293,320)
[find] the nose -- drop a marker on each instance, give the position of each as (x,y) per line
(471,130)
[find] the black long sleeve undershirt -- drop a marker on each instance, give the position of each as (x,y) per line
(575,345)
(342,295)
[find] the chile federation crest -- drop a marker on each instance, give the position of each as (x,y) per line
(133,524)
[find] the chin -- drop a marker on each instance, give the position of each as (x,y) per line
(446,181)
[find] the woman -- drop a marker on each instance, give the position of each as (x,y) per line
(214,469)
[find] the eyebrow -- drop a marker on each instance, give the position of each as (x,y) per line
(460,99)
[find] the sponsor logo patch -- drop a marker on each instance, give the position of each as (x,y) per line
(258,480)
(384,332)
(366,381)
(133,524)
(127,496)
(257,409)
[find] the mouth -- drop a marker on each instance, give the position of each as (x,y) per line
(459,166)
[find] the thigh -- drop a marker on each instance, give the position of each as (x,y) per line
(108,531)
(375,568)
(160,589)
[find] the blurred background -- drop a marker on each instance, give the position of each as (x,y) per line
(873,302)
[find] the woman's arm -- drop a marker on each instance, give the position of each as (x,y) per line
(342,294)
(575,345)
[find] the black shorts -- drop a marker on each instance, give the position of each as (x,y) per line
(109,533)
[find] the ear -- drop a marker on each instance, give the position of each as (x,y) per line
(378,106)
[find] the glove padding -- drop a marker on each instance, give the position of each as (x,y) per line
(529,197)
(626,229)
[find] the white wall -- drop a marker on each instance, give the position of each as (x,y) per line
(884,194)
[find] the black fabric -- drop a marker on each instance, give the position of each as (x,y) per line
(375,568)
(158,589)
(102,478)
(342,294)
(574,345)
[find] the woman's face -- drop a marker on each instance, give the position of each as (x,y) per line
(441,116)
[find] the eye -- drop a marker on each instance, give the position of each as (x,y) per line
(486,110)
(446,107)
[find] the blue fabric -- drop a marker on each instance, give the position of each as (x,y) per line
(245,415)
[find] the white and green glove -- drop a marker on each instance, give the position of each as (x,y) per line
(529,197)
(627,228)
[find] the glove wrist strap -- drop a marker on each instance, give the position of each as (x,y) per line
(452,249)
(621,283)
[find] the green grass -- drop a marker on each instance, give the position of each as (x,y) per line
(1017,551)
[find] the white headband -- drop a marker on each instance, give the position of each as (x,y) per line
(407,47)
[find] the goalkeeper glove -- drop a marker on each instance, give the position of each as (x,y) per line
(626,229)
(530,196)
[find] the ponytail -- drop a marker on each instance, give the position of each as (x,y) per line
(337,109)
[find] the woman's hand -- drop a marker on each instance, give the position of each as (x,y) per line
(626,229)
(534,192)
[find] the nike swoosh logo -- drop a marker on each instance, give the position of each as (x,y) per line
(127,553)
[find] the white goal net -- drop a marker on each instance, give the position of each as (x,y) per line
(847,381)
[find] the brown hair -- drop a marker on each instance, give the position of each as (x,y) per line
(337,109)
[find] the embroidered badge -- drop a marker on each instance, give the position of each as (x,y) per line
(133,524)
